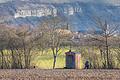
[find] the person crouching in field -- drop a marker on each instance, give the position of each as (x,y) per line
(87,66)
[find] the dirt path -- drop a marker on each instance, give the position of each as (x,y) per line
(59,74)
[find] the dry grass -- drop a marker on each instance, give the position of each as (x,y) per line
(59,74)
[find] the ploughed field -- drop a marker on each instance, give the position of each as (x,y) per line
(59,74)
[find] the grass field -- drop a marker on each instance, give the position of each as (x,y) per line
(45,61)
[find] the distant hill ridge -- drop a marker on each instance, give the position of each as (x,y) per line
(78,14)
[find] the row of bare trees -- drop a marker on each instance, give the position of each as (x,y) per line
(17,43)
(102,49)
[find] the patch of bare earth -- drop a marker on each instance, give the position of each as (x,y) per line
(59,74)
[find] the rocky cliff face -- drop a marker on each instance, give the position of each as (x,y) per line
(79,15)
(41,9)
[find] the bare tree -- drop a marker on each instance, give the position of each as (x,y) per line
(104,38)
(6,33)
(27,37)
(55,32)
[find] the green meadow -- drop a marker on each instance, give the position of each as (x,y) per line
(45,60)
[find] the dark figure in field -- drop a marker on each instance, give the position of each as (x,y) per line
(86,65)
(34,66)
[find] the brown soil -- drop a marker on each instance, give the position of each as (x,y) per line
(59,74)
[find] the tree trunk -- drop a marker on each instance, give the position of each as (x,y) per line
(2,66)
(13,60)
(54,62)
(105,62)
(27,58)
(107,51)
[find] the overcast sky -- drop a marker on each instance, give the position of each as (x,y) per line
(95,1)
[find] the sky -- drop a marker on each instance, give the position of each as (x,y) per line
(61,1)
